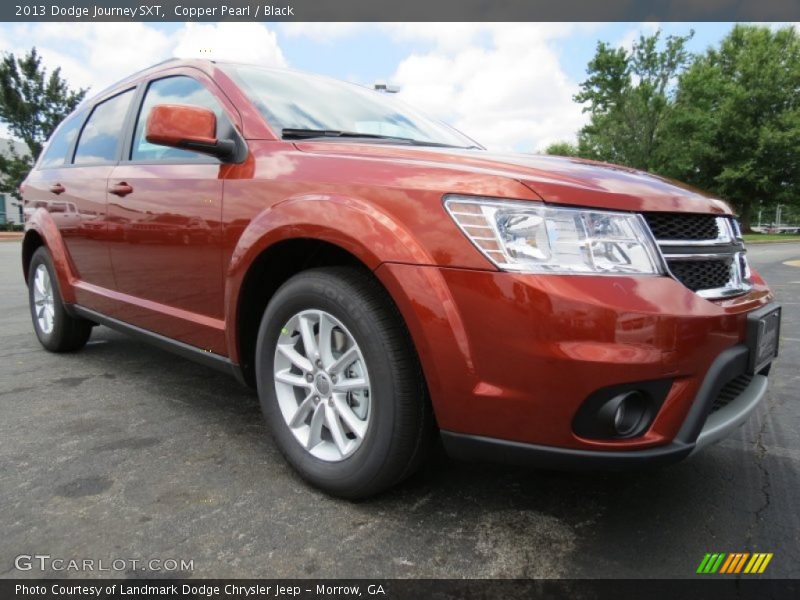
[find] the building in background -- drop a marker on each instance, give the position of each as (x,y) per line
(10,210)
(10,207)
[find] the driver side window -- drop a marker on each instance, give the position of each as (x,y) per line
(172,90)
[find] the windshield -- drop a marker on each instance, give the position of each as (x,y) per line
(297,101)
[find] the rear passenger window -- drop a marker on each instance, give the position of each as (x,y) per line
(172,90)
(56,153)
(102,132)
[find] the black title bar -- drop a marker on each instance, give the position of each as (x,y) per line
(697,588)
(408,10)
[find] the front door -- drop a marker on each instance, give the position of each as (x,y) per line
(165,208)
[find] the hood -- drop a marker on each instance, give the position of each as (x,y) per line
(556,180)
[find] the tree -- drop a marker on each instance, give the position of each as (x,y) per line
(735,130)
(628,95)
(32,104)
(562,149)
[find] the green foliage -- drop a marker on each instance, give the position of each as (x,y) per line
(32,104)
(727,120)
(629,96)
(736,127)
(562,149)
(11,227)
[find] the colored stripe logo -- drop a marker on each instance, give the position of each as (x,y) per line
(734,562)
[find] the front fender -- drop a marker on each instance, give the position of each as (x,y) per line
(371,235)
(41,222)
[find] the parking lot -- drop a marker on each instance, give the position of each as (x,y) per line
(125,451)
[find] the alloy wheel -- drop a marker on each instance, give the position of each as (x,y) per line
(322,385)
(43,299)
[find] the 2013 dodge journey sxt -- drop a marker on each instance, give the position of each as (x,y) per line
(380,278)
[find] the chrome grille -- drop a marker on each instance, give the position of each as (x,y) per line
(704,252)
(676,226)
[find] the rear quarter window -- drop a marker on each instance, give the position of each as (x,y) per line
(56,153)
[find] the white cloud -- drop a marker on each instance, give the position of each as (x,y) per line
(445,36)
(96,55)
(459,35)
(244,42)
(326,32)
(499,83)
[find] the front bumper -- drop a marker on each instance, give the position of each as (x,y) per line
(717,426)
(721,423)
(509,359)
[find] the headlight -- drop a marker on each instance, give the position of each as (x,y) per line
(535,238)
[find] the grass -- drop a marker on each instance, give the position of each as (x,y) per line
(770,237)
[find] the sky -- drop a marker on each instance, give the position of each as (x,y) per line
(506,85)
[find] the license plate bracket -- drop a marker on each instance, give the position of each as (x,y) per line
(763,337)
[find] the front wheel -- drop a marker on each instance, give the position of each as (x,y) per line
(340,383)
(56,329)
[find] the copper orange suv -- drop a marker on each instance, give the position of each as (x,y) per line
(380,278)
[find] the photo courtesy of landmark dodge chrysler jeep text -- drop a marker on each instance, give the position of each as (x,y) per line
(382,279)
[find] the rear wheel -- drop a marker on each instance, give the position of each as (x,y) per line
(57,331)
(340,384)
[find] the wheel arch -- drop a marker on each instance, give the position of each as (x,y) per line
(30,243)
(299,233)
(41,230)
(268,270)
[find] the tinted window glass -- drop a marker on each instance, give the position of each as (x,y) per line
(171,90)
(100,135)
(297,101)
(61,142)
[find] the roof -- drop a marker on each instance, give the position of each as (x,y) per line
(205,65)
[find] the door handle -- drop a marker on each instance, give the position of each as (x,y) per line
(57,189)
(120,189)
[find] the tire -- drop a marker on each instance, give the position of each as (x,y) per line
(398,417)
(57,330)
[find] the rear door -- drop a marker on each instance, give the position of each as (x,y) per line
(166,204)
(70,182)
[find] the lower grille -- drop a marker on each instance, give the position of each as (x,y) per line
(730,391)
(701,274)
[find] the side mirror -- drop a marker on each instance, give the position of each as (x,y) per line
(188,128)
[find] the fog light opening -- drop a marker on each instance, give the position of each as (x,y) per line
(619,412)
(619,416)
(625,415)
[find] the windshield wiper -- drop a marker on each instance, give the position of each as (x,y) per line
(288,133)
(303,134)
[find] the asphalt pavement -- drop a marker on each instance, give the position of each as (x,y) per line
(125,451)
